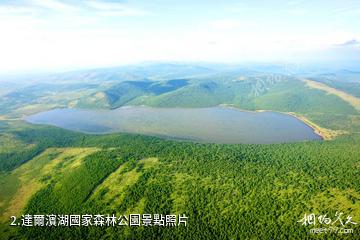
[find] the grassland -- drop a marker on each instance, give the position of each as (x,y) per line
(34,175)
(112,192)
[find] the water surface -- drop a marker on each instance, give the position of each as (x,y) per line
(215,124)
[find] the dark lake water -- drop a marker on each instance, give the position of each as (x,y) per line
(215,124)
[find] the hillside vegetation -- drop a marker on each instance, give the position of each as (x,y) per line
(270,186)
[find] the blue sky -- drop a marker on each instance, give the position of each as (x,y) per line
(60,34)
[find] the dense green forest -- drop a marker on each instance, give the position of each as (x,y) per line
(227,191)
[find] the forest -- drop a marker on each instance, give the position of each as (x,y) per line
(227,191)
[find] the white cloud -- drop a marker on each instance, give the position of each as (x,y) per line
(116,9)
(15,10)
(80,8)
(54,5)
(105,5)
(349,43)
(82,35)
(225,24)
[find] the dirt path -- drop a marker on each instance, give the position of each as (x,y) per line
(354,101)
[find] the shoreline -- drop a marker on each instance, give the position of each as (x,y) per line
(324,133)
(317,129)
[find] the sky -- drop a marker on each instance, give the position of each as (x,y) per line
(40,35)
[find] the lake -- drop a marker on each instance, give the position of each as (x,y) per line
(213,124)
